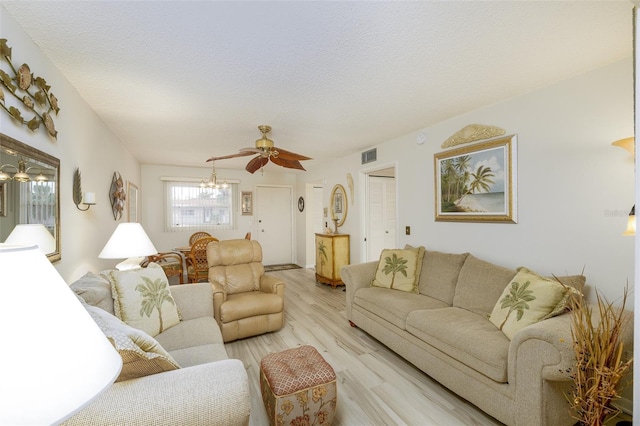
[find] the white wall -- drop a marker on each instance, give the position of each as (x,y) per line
(83,141)
(152,199)
(574,188)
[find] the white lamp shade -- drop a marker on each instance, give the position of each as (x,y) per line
(128,240)
(55,359)
(30,234)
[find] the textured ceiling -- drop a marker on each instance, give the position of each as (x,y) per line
(180,81)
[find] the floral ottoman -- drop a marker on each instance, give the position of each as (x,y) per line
(298,387)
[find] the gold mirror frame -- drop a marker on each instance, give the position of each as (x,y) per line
(13,148)
(339,205)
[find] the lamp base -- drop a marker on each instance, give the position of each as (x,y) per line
(130,264)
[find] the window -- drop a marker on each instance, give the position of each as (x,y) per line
(189,206)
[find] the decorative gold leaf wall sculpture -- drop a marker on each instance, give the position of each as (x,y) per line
(24,94)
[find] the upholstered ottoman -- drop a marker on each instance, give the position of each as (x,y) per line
(298,387)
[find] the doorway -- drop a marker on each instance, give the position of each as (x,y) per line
(380,214)
(274,218)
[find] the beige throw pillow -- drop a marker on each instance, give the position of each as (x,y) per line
(141,354)
(399,269)
(527,299)
(142,299)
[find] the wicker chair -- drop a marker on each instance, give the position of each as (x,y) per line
(197,267)
(171,262)
(197,235)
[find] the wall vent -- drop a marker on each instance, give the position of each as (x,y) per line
(369,156)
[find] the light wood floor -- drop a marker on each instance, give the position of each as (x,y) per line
(375,386)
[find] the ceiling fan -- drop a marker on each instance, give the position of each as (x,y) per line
(266,151)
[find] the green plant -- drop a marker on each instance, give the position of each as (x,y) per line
(600,358)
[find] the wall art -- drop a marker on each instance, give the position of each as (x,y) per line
(132,211)
(26,97)
(247,203)
(117,195)
(477,183)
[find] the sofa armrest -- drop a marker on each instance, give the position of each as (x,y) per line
(216,393)
(272,284)
(539,357)
(356,277)
(193,300)
(552,342)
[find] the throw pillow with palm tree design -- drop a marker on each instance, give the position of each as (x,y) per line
(399,269)
(529,298)
(142,299)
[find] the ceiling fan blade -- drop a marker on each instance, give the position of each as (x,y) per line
(252,151)
(224,157)
(256,163)
(291,164)
(288,155)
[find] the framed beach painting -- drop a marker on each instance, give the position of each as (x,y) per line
(477,183)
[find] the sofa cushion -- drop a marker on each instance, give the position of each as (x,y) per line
(95,289)
(195,332)
(142,299)
(398,269)
(141,354)
(480,284)
(393,306)
(440,274)
(526,300)
(465,336)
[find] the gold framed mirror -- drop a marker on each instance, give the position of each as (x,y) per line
(30,181)
(339,206)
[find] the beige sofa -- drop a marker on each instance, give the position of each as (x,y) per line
(208,389)
(444,330)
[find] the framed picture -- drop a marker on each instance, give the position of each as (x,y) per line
(3,199)
(247,203)
(132,195)
(477,183)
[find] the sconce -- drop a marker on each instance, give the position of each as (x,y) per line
(89,198)
(628,144)
(631,223)
(21,174)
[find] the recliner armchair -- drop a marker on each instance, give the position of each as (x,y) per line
(246,302)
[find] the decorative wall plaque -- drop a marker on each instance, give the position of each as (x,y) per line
(472,133)
(24,94)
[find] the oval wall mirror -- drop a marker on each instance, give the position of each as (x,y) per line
(29,190)
(339,206)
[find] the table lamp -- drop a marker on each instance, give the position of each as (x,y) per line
(55,360)
(32,234)
(128,241)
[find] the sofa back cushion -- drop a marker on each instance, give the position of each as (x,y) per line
(480,284)
(95,289)
(236,264)
(439,274)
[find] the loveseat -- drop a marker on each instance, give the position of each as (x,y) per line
(443,328)
(206,389)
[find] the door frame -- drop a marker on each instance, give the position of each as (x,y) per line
(292,213)
(364,200)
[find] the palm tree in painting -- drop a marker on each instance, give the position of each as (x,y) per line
(480,180)
(448,179)
(395,264)
(516,300)
(154,294)
(461,166)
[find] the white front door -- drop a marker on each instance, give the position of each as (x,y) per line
(274,223)
(381,211)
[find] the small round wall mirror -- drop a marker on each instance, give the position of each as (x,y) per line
(338,205)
